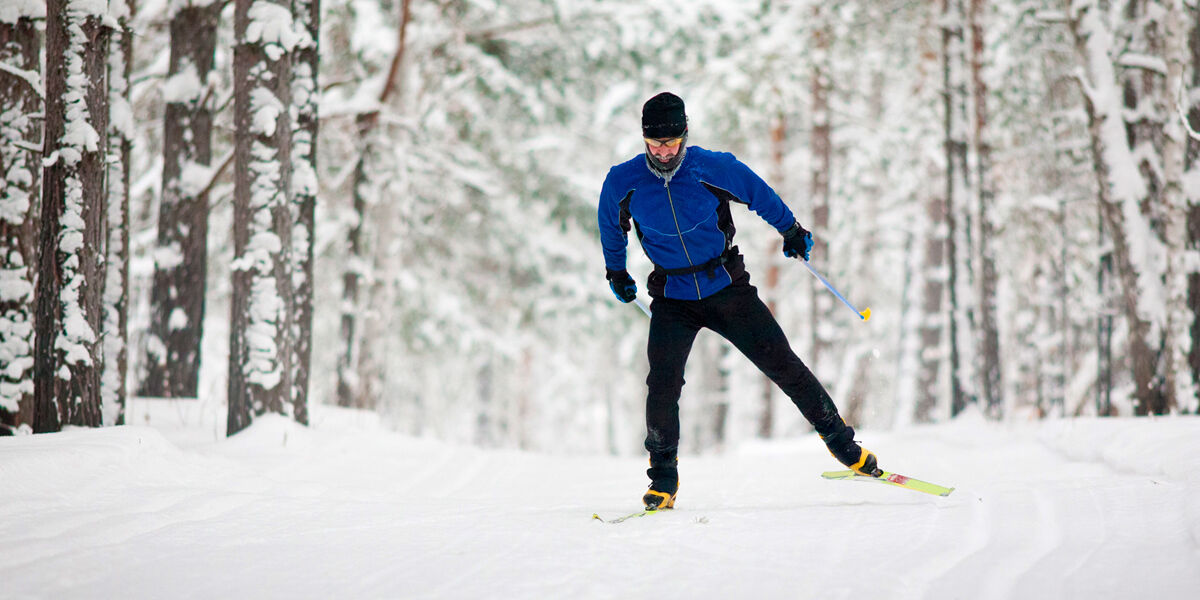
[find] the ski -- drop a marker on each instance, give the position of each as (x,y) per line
(624,518)
(892,479)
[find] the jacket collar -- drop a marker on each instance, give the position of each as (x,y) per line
(666,175)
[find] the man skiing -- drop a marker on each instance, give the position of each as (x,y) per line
(677,199)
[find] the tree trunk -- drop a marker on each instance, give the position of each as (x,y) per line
(116,280)
(1123,191)
(355,374)
(931,328)
(1191,164)
(821,147)
(349,376)
(721,390)
(989,336)
(956,177)
(770,286)
(19,169)
(177,297)
(928,352)
(1180,315)
(304,183)
(260,350)
(70,275)
(1105,290)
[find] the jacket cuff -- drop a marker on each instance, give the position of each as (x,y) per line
(613,274)
(793,231)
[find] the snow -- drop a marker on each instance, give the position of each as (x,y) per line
(272,25)
(178,319)
(263,367)
(33,78)
(1147,253)
(87,8)
(1084,508)
(14,287)
(11,10)
(265,108)
(184,86)
(194,178)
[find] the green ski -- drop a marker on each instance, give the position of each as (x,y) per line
(624,518)
(892,479)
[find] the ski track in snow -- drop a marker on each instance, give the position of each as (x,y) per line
(347,510)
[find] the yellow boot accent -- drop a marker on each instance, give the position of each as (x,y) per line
(668,500)
(862,460)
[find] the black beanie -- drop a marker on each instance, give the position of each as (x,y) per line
(663,117)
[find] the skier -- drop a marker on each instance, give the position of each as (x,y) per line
(677,198)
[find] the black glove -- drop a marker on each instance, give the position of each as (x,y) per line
(623,286)
(797,242)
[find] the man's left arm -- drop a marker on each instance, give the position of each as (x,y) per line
(797,241)
(758,196)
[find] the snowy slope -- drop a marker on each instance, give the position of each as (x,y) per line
(1063,509)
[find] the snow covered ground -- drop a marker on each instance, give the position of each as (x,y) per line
(1061,509)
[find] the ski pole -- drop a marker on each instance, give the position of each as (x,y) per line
(864,315)
(642,305)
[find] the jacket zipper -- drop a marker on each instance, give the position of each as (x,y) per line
(695,278)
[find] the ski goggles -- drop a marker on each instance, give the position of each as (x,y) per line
(669,143)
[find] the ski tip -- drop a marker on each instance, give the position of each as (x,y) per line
(837,474)
(866,314)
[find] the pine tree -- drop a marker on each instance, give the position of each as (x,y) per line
(357,369)
(819,187)
(989,335)
(261,342)
(20,100)
(121,132)
(68,353)
(172,362)
(305,187)
(1192,166)
(933,264)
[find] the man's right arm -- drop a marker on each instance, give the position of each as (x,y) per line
(614,230)
(613,219)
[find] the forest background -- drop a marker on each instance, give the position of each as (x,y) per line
(391,205)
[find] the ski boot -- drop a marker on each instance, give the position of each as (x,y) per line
(847,451)
(664,483)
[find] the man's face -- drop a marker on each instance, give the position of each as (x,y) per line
(664,149)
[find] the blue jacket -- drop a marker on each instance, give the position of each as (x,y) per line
(684,223)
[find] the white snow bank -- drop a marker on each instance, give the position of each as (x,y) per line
(1148,446)
(1087,508)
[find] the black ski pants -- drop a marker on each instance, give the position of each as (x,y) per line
(738,315)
